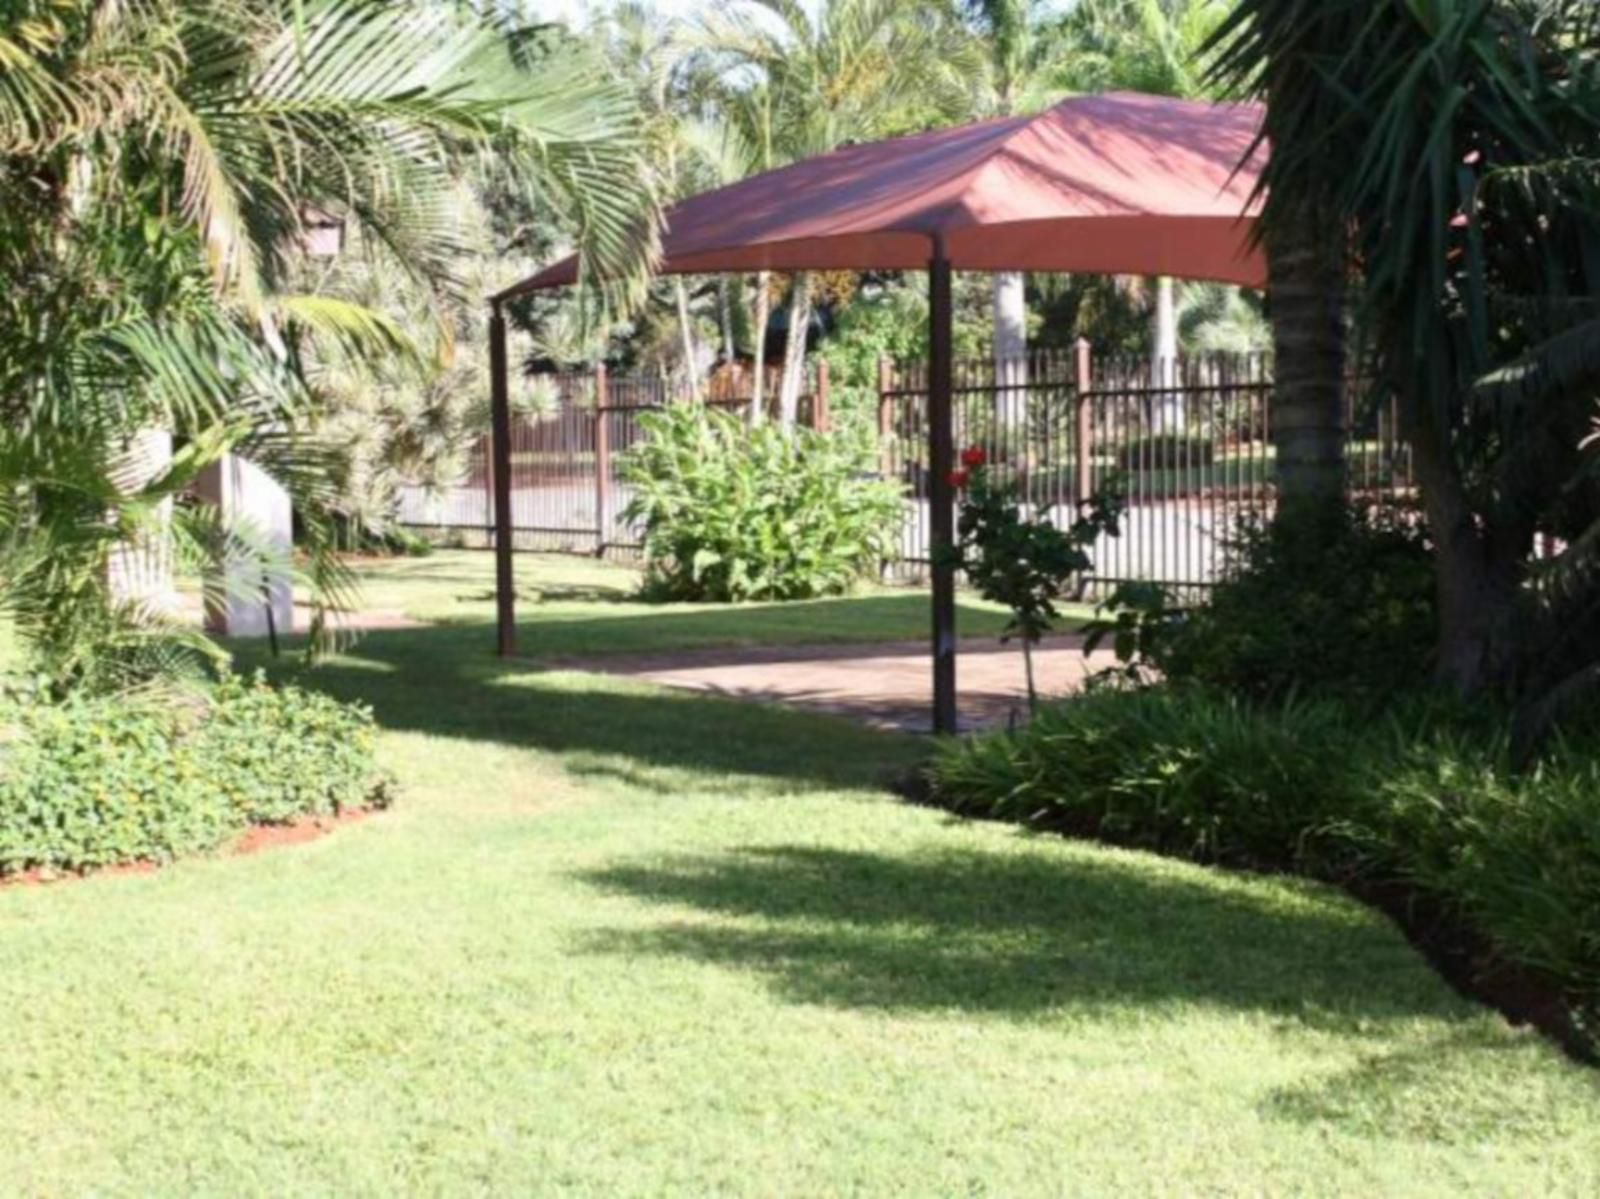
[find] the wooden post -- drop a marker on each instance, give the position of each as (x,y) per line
(500,409)
(602,460)
(821,418)
(941,492)
(1083,485)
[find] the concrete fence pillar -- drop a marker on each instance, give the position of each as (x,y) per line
(255,602)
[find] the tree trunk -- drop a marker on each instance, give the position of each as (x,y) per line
(1010,349)
(1169,416)
(1477,588)
(794,355)
(763,314)
(725,313)
(691,367)
(1306,286)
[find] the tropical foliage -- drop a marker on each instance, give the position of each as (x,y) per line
(1470,195)
(95,782)
(160,166)
(731,513)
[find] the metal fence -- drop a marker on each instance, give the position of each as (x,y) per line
(1186,442)
(567,489)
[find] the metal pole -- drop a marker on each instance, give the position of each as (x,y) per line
(941,462)
(500,410)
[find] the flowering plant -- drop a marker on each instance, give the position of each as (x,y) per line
(1026,562)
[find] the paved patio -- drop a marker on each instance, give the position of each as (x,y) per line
(886,685)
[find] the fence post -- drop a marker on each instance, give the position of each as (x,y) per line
(602,460)
(885,420)
(821,418)
(1083,486)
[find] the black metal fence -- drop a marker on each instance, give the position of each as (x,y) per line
(1186,442)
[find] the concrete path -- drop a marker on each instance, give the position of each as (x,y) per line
(886,685)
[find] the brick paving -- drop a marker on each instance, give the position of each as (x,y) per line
(886,685)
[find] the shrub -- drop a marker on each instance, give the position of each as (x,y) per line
(96,782)
(1342,604)
(1027,563)
(1516,853)
(731,513)
(1166,451)
(1180,771)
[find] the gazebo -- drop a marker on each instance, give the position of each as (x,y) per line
(1120,184)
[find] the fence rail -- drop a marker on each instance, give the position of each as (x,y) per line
(1186,442)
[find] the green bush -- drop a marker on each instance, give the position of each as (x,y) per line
(96,782)
(1426,797)
(1516,853)
(1166,451)
(730,513)
(1342,604)
(1178,771)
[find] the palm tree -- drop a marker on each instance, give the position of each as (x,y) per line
(1014,71)
(1462,135)
(854,71)
(1278,51)
(1153,46)
(158,163)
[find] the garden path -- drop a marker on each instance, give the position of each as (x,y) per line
(885,685)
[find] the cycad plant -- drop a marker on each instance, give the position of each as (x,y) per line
(158,163)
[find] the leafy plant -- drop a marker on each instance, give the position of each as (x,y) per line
(162,166)
(731,513)
(1340,604)
(1027,563)
(94,782)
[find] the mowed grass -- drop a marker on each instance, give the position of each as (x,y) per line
(620,941)
(580,607)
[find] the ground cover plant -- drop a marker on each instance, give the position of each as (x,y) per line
(95,782)
(626,941)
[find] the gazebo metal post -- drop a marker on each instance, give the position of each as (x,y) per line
(500,436)
(941,494)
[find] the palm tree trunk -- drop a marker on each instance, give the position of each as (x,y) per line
(725,312)
(1306,286)
(691,371)
(794,355)
(1169,413)
(1477,587)
(1010,349)
(763,316)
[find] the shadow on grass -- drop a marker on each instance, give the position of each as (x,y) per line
(1018,933)
(443,680)
(1439,1090)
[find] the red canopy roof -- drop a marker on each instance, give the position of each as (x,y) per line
(1120,184)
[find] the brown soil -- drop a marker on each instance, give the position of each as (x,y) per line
(255,839)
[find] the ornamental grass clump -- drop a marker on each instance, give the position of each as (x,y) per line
(731,513)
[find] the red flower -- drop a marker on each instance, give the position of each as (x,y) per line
(958,478)
(974,457)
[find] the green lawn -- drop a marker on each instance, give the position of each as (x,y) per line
(618,941)
(579,607)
